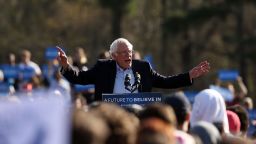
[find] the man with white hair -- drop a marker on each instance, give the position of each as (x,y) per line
(108,76)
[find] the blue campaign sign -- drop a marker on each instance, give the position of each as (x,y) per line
(83,88)
(191,95)
(27,72)
(227,75)
(45,71)
(9,71)
(51,53)
(225,93)
(48,72)
(4,89)
(132,98)
(252,114)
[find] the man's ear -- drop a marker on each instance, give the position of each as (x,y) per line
(188,117)
(113,56)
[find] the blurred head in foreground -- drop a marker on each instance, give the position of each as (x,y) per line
(88,128)
(157,125)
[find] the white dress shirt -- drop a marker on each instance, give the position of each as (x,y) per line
(119,86)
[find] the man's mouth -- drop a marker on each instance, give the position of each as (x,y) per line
(129,60)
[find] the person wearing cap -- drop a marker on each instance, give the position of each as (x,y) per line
(182,109)
(234,122)
(243,117)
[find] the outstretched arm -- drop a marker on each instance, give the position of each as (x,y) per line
(62,57)
(72,74)
(243,88)
(199,70)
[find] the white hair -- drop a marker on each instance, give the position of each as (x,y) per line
(114,45)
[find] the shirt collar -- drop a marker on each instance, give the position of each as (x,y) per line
(119,69)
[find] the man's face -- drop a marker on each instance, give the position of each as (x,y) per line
(123,56)
(25,57)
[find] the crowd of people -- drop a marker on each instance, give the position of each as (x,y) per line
(210,119)
(19,75)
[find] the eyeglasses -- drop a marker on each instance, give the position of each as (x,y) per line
(124,53)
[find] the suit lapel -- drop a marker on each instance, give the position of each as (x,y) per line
(135,68)
(112,76)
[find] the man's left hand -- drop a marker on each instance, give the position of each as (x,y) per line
(199,70)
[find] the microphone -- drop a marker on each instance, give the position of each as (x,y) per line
(137,79)
(127,82)
(136,84)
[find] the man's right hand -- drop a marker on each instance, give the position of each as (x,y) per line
(62,58)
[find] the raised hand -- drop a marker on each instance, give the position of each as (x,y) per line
(199,70)
(62,58)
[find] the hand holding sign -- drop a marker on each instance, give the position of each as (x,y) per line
(228,75)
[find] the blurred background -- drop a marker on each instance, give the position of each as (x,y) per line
(175,34)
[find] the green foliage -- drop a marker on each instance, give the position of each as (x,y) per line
(188,32)
(116,5)
(180,20)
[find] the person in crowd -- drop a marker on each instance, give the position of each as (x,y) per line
(80,102)
(28,70)
(247,103)
(182,108)
(1,76)
(104,55)
(234,123)
(88,128)
(108,76)
(60,85)
(237,88)
(157,125)
(122,125)
(207,132)
(48,71)
(136,55)
(5,88)
(80,59)
(242,92)
(26,61)
(80,62)
(243,117)
(11,59)
(209,106)
(134,109)
(10,70)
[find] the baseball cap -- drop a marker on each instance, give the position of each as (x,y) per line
(234,122)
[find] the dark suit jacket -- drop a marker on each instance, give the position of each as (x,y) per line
(103,74)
